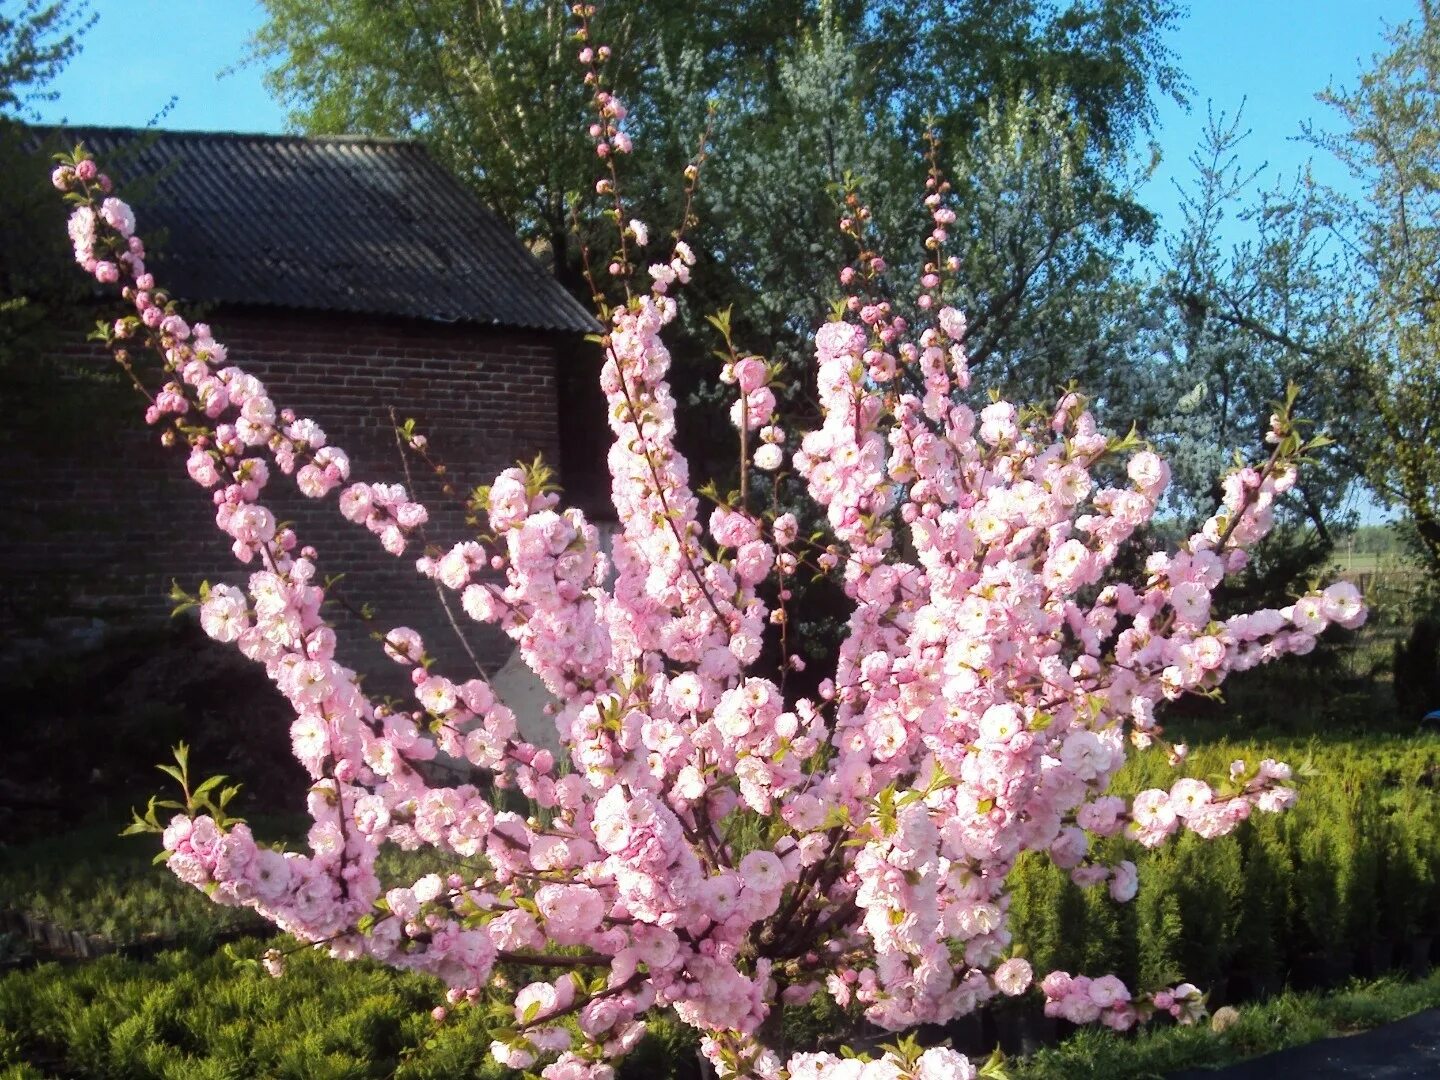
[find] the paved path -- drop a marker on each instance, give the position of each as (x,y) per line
(1406,1050)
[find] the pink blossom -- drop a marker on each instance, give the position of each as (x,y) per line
(404,646)
(1189,797)
(763,872)
(942,1063)
(991,670)
(769,457)
(1343,604)
(1124,882)
(118,216)
(1013,977)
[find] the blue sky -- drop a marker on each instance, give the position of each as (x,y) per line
(1271,55)
(141,53)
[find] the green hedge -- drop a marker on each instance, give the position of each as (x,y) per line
(95,882)
(1345,882)
(184,1015)
(187,1016)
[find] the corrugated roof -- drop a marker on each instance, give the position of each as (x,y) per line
(371,226)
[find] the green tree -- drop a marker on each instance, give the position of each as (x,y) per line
(1344,291)
(493,87)
(1107,59)
(489,87)
(1046,275)
(1022,92)
(1243,319)
(37,39)
(767,206)
(1046,109)
(1391,145)
(38,288)
(1038,110)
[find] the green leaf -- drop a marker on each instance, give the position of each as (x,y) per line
(172,771)
(720,320)
(994,1067)
(207,786)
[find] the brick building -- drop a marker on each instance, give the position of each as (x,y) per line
(351,275)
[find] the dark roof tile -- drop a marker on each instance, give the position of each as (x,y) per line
(371,226)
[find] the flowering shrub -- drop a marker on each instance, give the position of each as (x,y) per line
(711,843)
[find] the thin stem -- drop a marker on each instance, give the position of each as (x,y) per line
(439,588)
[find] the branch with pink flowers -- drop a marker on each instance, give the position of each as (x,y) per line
(708,841)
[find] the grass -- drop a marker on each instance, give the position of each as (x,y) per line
(1290,1019)
(1396,564)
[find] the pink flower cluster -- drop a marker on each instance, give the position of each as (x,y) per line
(755,408)
(936,1063)
(1083,1000)
(385,509)
(714,845)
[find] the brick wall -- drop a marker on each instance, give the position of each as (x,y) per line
(102,522)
